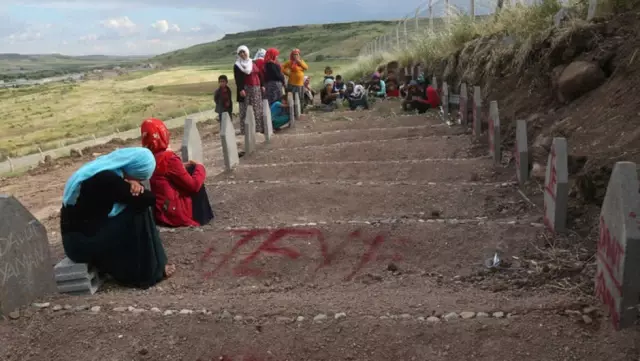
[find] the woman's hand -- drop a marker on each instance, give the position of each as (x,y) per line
(136,188)
(263,90)
(243,93)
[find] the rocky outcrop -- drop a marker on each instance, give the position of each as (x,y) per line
(578,78)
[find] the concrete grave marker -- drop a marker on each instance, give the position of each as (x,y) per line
(521,151)
(292,112)
(556,187)
(191,148)
(25,258)
(477,110)
(591,11)
(618,256)
(228,141)
(464,99)
(296,100)
(249,131)
(268,124)
(445,100)
(495,149)
(434,83)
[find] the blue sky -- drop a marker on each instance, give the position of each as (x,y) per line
(145,27)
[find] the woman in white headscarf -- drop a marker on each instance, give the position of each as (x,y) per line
(357,96)
(249,86)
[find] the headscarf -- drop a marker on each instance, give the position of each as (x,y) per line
(307,80)
(135,162)
(260,54)
(271,56)
(246,65)
(358,90)
(328,81)
(155,136)
(292,60)
(375,75)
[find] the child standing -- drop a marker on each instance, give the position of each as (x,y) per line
(328,73)
(280,113)
(223,97)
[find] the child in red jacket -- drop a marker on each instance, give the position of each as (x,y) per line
(181,199)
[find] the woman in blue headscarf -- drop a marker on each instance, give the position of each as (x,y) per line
(107,222)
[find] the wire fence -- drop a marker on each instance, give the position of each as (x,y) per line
(434,15)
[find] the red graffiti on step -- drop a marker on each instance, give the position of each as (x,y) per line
(274,237)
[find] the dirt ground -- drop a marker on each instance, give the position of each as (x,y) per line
(359,239)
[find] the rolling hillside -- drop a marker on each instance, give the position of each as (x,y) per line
(338,40)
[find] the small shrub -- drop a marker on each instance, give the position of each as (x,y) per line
(150,88)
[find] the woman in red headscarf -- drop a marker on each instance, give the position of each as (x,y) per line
(273,76)
(181,199)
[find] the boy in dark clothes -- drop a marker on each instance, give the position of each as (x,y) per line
(223,97)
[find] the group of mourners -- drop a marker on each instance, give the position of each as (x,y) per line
(108,217)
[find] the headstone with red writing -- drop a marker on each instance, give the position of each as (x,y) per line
(618,257)
(445,100)
(477,109)
(495,150)
(464,116)
(556,187)
(521,151)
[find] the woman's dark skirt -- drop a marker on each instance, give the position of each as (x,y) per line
(127,247)
(201,208)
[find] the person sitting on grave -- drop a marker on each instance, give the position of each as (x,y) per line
(181,197)
(327,96)
(377,88)
(107,222)
(392,85)
(339,87)
(280,115)
(420,98)
(309,93)
(356,96)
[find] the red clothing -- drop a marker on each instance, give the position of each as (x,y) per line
(260,64)
(173,189)
(254,78)
(432,97)
(393,93)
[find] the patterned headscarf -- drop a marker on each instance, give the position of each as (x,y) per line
(271,56)
(260,54)
(292,59)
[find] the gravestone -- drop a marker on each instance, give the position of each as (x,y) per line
(191,148)
(495,149)
(228,141)
(618,256)
(434,82)
(591,11)
(556,187)
(268,124)
(292,112)
(249,131)
(76,278)
(296,99)
(521,151)
(464,99)
(25,258)
(445,100)
(477,110)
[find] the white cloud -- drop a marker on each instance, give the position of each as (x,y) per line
(120,24)
(164,26)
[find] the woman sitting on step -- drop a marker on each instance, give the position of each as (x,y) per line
(181,198)
(106,219)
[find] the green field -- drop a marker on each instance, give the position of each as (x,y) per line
(316,42)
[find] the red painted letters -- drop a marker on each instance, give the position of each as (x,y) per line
(553,180)
(603,293)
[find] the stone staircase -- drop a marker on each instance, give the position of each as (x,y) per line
(358,237)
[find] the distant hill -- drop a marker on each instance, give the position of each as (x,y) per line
(339,40)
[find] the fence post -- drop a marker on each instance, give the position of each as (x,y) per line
(416,18)
(406,36)
(431,15)
(398,36)
(472,9)
(446,12)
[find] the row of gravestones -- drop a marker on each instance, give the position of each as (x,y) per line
(25,268)
(617,282)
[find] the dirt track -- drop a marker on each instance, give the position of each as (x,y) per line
(374,241)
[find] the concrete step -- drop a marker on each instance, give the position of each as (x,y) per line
(363,121)
(265,204)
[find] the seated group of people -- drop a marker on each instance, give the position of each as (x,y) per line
(108,218)
(335,90)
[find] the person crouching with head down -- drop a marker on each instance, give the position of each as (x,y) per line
(280,114)
(181,198)
(106,219)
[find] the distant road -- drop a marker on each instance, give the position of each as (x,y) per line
(31,160)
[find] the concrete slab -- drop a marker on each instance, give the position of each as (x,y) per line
(556,184)
(292,112)
(477,112)
(521,151)
(347,121)
(445,99)
(495,148)
(228,142)
(63,269)
(261,204)
(464,102)
(618,258)
(25,266)
(268,124)
(88,284)
(191,148)
(478,170)
(398,149)
(250,131)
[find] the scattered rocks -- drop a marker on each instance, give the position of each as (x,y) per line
(579,78)
(319,318)
(237,318)
(57,308)
(67,307)
(587,320)
(498,314)
(138,311)
(421,319)
(75,153)
(467,315)
(82,307)
(433,319)
(41,305)
(451,316)
(14,315)
(156,310)
(167,313)
(226,315)
(95,309)
(482,315)
(300,319)
(120,309)
(185,312)
(340,315)
(405,316)
(589,310)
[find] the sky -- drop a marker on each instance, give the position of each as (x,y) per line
(148,27)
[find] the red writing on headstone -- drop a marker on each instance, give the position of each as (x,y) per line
(553,180)
(610,253)
(271,246)
(604,294)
